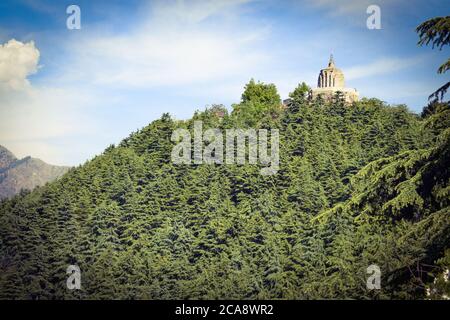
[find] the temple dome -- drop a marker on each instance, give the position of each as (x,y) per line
(331,77)
(331,81)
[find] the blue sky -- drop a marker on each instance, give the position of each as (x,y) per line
(67,94)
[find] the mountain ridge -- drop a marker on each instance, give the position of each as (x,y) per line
(24,174)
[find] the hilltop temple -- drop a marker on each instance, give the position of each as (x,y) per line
(331,80)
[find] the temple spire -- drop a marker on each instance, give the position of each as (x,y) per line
(330,81)
(331,62)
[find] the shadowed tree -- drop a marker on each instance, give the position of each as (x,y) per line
(437,32)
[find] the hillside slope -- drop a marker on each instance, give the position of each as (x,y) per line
(347,195)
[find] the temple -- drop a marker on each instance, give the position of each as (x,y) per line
(331,80)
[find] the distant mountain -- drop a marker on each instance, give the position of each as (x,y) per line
(27,173)
(6,158)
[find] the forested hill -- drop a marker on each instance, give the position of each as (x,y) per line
(357,185)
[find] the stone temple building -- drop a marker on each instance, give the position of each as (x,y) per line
(331,80)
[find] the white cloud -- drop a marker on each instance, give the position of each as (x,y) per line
(168,58)
(106,82)
(192,11)
(170,47)
(32,115)
(351,7)
(40,113)
(381,66)
(17,61)
(399,91)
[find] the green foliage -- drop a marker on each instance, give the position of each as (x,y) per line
(260,106)
(437,32)
(300,93)
(440,287)
(260,93)
(360,184)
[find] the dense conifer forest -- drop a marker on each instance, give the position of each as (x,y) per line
(359,184)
